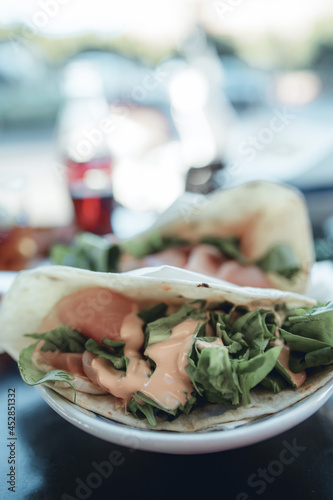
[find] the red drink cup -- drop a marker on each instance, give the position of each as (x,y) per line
(91,191)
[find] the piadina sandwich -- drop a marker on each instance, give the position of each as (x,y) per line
(167,354)
(256,234)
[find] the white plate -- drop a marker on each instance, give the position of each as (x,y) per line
(187,443)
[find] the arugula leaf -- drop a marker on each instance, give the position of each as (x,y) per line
(143,411)
(150,409)
(228,246)
(236,344)
(280,259)
(212,375)
(320,357)
(308,333)
(225,374)
(220,379)
(274,382)
(153,313)
(63,338)
(316,323)
(33,376)
(90,251)
(160,329)
(257,328)
(150,244)
(251,372)
(115,356)
(285,374)
(300,343)
(87,251)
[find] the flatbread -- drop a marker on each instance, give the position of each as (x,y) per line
(35,292)
(261,214)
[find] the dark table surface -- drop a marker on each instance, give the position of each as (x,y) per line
(56,460)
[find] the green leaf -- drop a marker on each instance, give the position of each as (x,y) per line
(257,328)
(308,333)
(274,382)
(88,251)
(160,329)
(151,243)
(320,357)
(114,353)
(31,375)
(285,374)
(238,346)
(63,338)
(235,342)
(251,372)
(300,343)
(219,379)
(280,259)
(316,323)
(143,411)
(212,374)
(59,252)
(227,246)
(153,313)
(166,412)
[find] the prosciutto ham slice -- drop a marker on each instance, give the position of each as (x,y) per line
(204,259)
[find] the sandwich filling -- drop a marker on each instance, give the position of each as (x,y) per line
(222,258)
(161,359)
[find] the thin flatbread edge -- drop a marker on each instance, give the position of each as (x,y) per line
(209,417)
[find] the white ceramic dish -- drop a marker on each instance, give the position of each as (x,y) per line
(187,443)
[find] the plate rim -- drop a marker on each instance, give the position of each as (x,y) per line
(187,442)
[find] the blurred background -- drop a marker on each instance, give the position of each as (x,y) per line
(109,111)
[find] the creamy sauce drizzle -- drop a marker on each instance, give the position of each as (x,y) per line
(203,343)
(169,385)
(119,383)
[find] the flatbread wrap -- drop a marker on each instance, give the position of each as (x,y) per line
(255,234)
(174,354)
